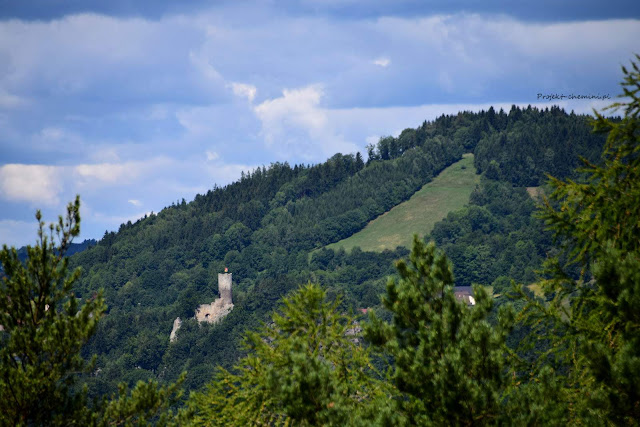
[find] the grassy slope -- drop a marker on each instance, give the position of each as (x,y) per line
(447,192)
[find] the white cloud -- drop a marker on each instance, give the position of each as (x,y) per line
(295,126)
(122,173)
(211,155)
(297,107)
(135,202)
(244,90)
(110,173)
(36,184)
(382,62)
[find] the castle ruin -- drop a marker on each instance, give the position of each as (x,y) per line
(217,310)
(224,287)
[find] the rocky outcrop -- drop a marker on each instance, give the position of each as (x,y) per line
(176,325)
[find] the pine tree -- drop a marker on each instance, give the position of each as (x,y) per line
(43,330)
(449,361)
(305,368)
(589,330)
(359,162)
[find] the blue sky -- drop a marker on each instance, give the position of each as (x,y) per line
(137,104)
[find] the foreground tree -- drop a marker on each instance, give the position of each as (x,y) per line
(450,363)
(590,327)
(305,368)
(43,330)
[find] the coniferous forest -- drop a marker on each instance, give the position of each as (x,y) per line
(549,243)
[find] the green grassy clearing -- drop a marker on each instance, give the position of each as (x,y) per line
(447,192)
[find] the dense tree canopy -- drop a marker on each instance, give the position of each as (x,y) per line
(270,229)
(306,367)
(592,323)
(449,362)
(43,329)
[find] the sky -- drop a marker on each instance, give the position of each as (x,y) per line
(136,104)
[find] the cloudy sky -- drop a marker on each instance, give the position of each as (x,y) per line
(135,104)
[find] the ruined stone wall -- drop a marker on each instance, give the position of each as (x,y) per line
(221,306)
(211,313)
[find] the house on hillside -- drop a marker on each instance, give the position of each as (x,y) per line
(464,294)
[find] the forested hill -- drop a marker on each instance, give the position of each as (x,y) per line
(74,248)
(264,226)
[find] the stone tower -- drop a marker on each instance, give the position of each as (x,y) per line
(224,287)
(211,313)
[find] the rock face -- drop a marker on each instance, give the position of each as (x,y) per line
(176,325)
(218,309)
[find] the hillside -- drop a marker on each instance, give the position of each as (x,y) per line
(264,227)
(449,191)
